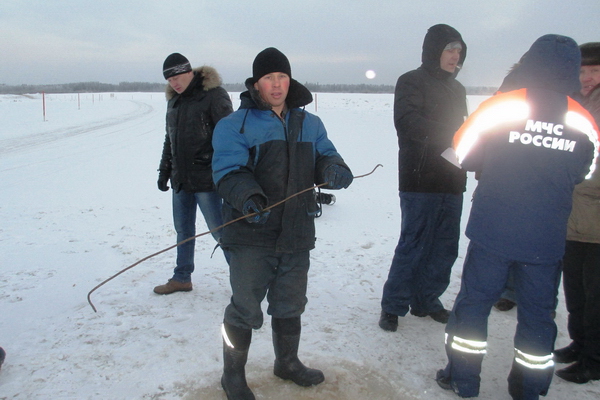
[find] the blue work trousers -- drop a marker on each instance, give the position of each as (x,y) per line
(483,281)
(184,218)
(425,254)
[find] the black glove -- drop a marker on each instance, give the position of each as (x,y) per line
(163,179)
(256,204)
(337,177)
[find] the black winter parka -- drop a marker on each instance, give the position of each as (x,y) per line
(429,107)
(190,121)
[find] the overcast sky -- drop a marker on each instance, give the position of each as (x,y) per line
(327,41)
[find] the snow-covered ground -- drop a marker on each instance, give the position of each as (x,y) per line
(78,203)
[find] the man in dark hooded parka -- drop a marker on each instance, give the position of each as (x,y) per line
(429,106)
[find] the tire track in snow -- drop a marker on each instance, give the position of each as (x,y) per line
(22,143)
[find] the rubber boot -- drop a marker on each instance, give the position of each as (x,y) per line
(236,342)
(286,338)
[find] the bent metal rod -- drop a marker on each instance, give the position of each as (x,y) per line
(206,233)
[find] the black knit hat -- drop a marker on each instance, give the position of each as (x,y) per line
(175,64)
(270,60)
(590,53)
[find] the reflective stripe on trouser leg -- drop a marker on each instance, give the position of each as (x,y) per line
(464,359)
(530,375)
(467,346)
(225,337)
(534,362)
(532,370)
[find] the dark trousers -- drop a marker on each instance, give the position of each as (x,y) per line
(581,282)
(483,280)
(426,251)
(257,272)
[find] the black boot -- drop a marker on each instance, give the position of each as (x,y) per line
(578,373)
(236,342)
(388,322)
(568,354)
(286,338)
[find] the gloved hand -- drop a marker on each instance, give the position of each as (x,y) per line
(256,204)
(163,179)
(337,177)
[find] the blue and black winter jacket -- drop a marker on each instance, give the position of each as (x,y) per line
(258,153)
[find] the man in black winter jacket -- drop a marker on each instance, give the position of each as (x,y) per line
(196,102)
(429,106)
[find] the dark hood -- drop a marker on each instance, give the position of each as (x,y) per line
(437,37)
(298,96)
(552,63)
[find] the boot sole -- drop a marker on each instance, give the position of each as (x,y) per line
(245,396)
(174,291)
(285,377)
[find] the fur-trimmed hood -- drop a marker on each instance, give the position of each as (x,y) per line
(205,78)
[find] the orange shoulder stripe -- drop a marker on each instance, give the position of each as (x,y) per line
(502,107)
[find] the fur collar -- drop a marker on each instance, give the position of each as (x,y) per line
(205,77)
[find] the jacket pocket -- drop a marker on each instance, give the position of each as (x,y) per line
(203,159)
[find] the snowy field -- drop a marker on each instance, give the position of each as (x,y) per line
(78,203)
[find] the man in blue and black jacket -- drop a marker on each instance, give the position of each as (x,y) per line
(266,152)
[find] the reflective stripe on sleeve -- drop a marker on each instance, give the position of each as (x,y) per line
(578,121)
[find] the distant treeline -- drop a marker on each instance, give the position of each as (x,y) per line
(97,87)
(84,87)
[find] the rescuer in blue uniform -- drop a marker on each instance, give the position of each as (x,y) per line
(531,146)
